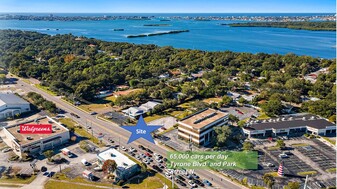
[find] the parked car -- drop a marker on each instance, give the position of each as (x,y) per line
(148,155)
(161,166)
(180,178)
(283,156)
(159,160)
(191,183)
(198,182)
(137,157)
(132,149)
(168,175)
(6,150)
(207,182)
(146,161)
(141,147)
(148,150)
(84,162)
(123,148)
(319,184)
(111,141)
(181,183)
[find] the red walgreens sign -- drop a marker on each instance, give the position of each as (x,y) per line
(36,129)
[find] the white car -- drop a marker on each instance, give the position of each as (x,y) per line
(191,183)
(283,156)
(123,148)
(146,161)
(168,175)
(159,160)
(131,149)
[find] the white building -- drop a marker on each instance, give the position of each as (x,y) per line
(35,143)
(126,168)
(290,125)
(11,105)
(135,112)
(198,127)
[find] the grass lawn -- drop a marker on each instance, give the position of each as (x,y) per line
(212,100)
(330,140)
(80,131)
(110,98)
(257,187)
(45,89)
(153,117)
(177,113)
(18,180)
(262,116)
(331,170)
(299,145)
(26,81)
(151,182)
(79,179)
(273,148)
(273,174)
(93,107)
(51,184)
(307,173)
(9,185)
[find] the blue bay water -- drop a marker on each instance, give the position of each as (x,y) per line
(203,35)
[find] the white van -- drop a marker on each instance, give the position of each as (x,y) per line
(84,162)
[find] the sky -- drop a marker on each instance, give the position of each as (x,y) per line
(168,6)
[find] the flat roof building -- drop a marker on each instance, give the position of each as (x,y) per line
(126,168)
(198,127)
(11,105)
(288,125)
(35,143)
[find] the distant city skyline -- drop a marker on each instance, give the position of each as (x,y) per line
(168,6)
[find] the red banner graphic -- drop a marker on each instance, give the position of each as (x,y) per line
(36,129)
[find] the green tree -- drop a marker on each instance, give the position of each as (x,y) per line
(248,146)
(109,166)
(280,143)
(223,133)
(242,100)
(272,107)
(2,78)
(293,185)
(268,180)
(226,100)
(143,167)
(233,119)
(49,154)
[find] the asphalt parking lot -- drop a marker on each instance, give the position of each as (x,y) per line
(315,155)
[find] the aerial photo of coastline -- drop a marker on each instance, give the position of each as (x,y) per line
(168,94)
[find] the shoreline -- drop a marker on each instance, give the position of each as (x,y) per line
(159,33)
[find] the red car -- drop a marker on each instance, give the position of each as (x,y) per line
(148,155)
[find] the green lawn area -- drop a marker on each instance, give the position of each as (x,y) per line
(330,140)
(9,185)
(80,131)
(299,145)
(93,107)
(153,117)
(151,182)
(257,187)
(45,89)
(26,81)
(177,113)
(262,116)
(212,100)
(273,174)
(111,98)
(331,170)
(17,180)
(307,173)
(273,148)
(51,184)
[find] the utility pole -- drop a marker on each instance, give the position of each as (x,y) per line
(306,181)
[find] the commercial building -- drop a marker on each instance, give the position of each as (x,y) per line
(198,127)
(293,124)
(11,105)
(35,143)
(126,168)
(135,112)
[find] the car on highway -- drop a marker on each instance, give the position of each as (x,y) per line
(93,113)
